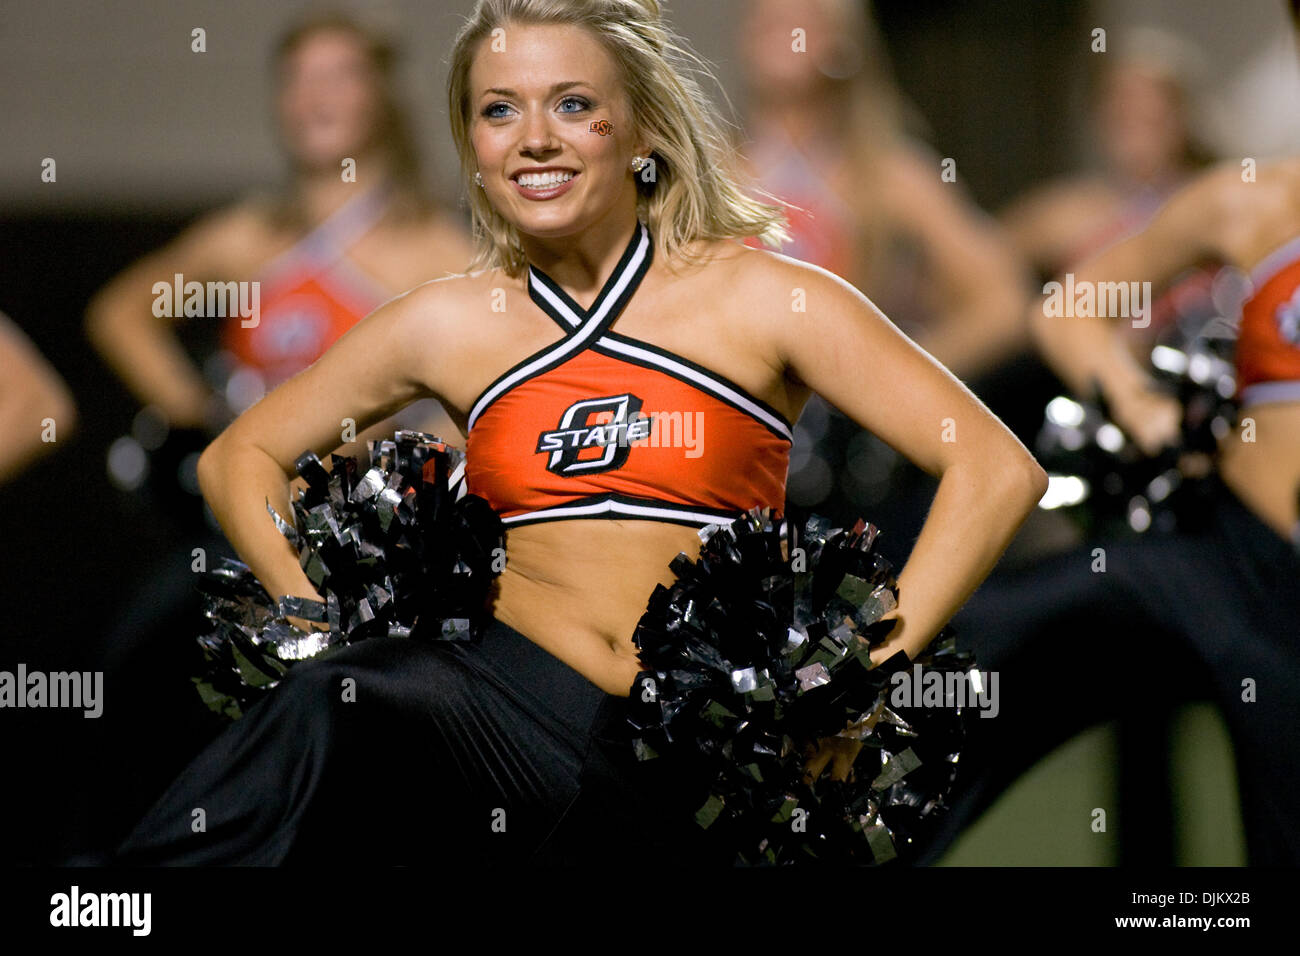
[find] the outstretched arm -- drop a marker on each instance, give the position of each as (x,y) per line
(978,281)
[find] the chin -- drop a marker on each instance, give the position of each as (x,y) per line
(548,232)
(547,227)
(320,158)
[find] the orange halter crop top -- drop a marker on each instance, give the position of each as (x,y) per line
(310,295)
(600,425)
(1268,340)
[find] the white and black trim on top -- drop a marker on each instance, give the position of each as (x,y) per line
(1267,393)
(325,247)
(618,289)
(591,329)
(1274,262)
(617,506)
(646,355)
(1283,390)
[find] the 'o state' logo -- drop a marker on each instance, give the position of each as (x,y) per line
(603,428)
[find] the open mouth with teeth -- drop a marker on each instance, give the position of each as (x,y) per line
(544,183)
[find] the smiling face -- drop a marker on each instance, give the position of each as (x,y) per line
(328,99)
(532,109)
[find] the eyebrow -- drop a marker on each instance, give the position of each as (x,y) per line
(557,88)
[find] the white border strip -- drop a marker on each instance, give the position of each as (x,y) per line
(705,382)
(1274,262)
(570,343)
(615,507)
(1266,393)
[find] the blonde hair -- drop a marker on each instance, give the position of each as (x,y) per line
(696,193)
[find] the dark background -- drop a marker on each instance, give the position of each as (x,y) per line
(999,82)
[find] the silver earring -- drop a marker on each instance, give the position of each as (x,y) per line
(478,179)
(638,163)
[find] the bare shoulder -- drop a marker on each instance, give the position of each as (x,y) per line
(248,215)
(234,237)
(460,332)
(912,170)
(1273,184)
(1252,211)
(1217,180)
(248,220)
(1285,168)
(910,163)
(1069,197)
(764,296)
(453,302)
(219,243)
(1211,206)
(469,316)
(1225,187)
(766,280)
(918,193)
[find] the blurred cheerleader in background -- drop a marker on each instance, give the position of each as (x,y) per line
(324,249)
(1212,607)
(831,136)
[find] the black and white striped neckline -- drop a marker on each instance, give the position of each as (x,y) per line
(590,328)
(325,247)
(613,296)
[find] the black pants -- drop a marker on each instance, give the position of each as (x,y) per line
(1213,611)
(393,751)
(153,721)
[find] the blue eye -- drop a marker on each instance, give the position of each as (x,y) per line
(488,110)
(582,104)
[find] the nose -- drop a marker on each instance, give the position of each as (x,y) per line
(537,135)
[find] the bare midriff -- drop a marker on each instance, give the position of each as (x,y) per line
(1260,461)
(578,587)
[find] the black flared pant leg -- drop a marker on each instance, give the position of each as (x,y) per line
(395,751)
(1211,611)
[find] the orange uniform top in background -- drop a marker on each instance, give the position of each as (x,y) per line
(1268,342)
(310,296)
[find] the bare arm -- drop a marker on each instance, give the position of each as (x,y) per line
(1086,348)
(978,281)
(370,373)
(32,392)
(847,351)
(141,348)
(1047,225)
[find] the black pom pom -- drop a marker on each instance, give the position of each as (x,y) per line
(397,551)
(760,648)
